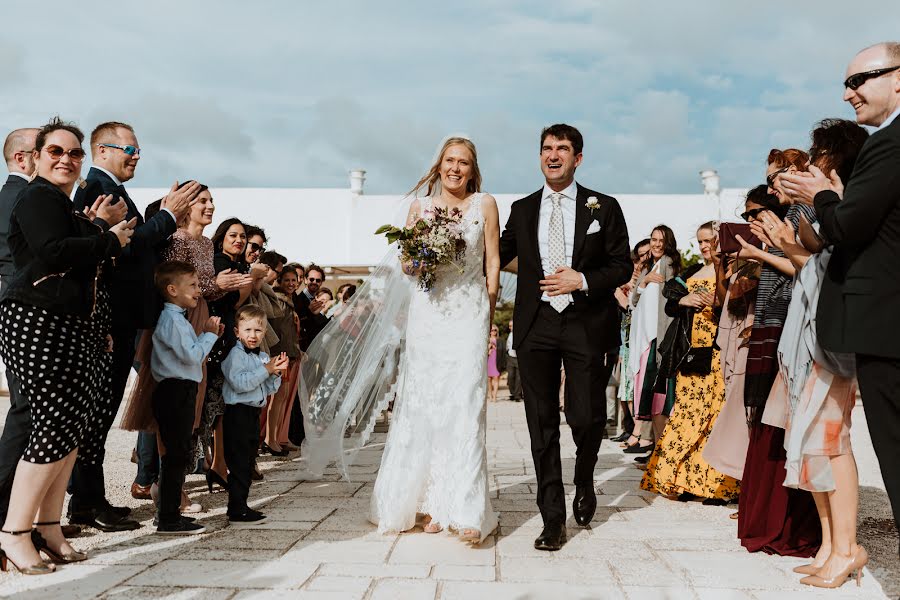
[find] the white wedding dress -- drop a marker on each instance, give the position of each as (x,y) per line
(435,461)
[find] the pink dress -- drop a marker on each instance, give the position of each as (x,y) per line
(493,371)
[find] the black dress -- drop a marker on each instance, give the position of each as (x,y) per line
(54,318)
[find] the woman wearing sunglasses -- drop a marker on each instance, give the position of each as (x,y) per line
(54,326)
(814,395)
(772,518)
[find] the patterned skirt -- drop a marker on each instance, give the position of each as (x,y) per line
(58,360)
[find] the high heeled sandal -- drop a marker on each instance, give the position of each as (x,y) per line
(852,569)
(810,569)
(55,555)
(41,568)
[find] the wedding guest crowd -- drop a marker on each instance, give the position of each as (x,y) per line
(769,333)
(738,370)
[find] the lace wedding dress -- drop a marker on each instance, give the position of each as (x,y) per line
(435,461)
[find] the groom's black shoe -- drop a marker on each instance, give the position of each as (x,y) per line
(552,537)
(585,504)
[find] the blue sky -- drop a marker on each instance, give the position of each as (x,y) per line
(293,94)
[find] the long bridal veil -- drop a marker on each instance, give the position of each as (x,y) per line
(351,371)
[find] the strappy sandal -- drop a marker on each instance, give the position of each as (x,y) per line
(41,568)
(471,535)
(55,555)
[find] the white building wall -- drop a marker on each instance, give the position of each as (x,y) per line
(334,227)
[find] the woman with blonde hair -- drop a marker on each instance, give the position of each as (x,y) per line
(425,350)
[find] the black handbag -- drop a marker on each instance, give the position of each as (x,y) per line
(697,362)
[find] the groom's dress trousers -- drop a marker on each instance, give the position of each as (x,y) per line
(583,336)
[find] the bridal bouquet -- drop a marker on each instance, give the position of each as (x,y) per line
(429,243)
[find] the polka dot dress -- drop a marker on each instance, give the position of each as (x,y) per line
(58,361)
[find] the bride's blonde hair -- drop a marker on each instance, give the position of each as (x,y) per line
(431,180)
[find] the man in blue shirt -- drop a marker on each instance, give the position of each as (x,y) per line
(177,365)
(250,377)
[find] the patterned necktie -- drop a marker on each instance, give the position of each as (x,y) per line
(557,248)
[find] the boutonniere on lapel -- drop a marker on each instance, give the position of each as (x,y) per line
(592,204)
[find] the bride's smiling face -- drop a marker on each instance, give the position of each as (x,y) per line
(456,168)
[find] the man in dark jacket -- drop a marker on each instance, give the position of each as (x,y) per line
(857,309)
(115,154)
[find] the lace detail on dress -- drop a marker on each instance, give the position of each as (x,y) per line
(434,460)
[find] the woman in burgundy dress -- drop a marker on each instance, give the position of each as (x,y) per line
(771,517)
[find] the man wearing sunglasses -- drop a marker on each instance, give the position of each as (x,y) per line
(858,309)
(312,321)
(115,154)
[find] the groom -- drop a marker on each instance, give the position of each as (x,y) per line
(573,251)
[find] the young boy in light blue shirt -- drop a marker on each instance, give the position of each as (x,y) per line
(250,377)
(177,366)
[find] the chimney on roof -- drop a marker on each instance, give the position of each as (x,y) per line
(357,179)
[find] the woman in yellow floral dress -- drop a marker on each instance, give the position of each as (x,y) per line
(676,467)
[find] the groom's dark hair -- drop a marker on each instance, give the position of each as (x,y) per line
(561,131)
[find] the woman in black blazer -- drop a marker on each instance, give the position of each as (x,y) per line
(54,323)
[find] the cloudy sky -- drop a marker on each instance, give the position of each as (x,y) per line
(294,93)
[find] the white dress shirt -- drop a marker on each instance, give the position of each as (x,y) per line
(510,351)
(22,175)
(889,120)
(568,204)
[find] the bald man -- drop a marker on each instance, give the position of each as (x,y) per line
(857,309)
(17,152)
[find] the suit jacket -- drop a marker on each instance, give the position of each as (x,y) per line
(311,324)
(604,257)
(133,297)
(8,195)
(858,303)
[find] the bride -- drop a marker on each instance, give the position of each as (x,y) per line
(426,351)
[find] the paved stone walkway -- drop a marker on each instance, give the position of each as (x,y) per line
(317,543)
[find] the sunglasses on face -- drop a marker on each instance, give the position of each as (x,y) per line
(751,214)
(855,81)
(129,150)
(313,280)
(254,247)
(770,179)
(56,153)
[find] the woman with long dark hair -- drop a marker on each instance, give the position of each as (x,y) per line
(653,400)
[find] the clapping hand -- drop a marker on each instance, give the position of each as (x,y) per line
(214,325)
(258,270)
(123,230)
(316,306)
(652,277)
(278,366)
(230,280)
(564,281)
(106,208)
(803,187)
(699,299)
(180,201)
(773,231)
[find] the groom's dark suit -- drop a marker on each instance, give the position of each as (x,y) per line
(581,337)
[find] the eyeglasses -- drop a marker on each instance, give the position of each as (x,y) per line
(856,80)
(313,280)
(56,153)
(752,213)
(129,150)
(770,179)
(254,247)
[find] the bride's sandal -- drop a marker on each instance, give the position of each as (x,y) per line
(432,527)
(473,536)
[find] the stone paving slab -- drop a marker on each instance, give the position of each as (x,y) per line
(317,542)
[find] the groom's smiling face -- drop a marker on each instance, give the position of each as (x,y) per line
(558,162)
